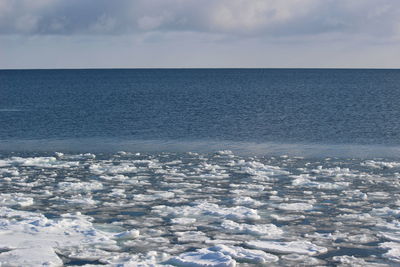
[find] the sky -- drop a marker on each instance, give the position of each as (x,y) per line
(199,33)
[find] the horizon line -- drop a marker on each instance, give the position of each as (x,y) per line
(206,68)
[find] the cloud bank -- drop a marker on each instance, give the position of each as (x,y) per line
(199,33)
(231,17)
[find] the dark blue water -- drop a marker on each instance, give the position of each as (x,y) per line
(288,106)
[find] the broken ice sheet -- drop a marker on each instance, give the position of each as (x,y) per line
(216,208)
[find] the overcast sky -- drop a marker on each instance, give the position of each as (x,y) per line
(199,33)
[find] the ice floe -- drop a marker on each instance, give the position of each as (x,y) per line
(208,209)
(298,247)
(17,199)
(295,206)
(245,255)
(191,209)
(265,230)
(203,259)
(393,252)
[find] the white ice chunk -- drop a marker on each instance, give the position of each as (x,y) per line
(295,206)
(130,234)
(80,186)
(386,211)
(154,196)
(391,236)
(209,209)
(203,258)
(378,195)
(183,220)
(117,177)
(269,230)
(256,168)
(352,261)
(302,260)
(13,171)
(40,256)
(234,213)
(245,255)
(224,152)
(299,247)
(113,169)
(287,218)
(380,164)
(15,199)
(393,253)
(116,192)
(32,236)
(302,181)
(191,237)
(42,162)
(246,201)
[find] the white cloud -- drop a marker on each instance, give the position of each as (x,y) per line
(147,23)
(242,15)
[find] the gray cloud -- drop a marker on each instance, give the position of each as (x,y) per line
(199,33)
(229,17)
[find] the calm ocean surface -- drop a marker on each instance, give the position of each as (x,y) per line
(181,109)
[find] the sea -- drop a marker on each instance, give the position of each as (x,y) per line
(200,167)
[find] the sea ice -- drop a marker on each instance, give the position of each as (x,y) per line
(15,199)
(305,182)
(245,255)
(102,169)
(41,255)
(209,209)
(295,206)
(259,169)
(203,258)
(266,230)
(80,186)
(33,238)
(154,196)
(351,261)
(393,253)
(183,220)
(217,200)
(299,247)
(41,162)
(79,200)
(131,234)
(380,164)
(191,237)
(287,218)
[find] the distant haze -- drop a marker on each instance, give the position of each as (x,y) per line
(199,33)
